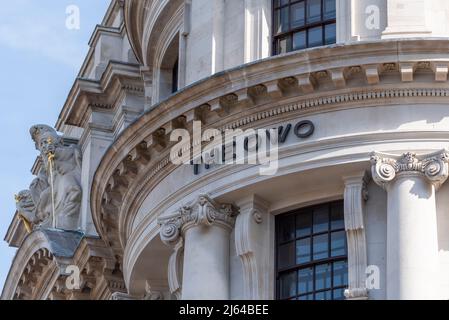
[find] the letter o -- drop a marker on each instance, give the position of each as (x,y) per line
(302,125)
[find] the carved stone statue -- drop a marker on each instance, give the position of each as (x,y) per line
(58,186)
(28,213)
(41,194)
(26,209)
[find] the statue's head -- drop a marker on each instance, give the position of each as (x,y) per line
(24,201)
(46,138)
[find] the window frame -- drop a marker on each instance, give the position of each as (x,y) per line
(312,264)
(304,28)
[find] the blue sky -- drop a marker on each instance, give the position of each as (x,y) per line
(39,60)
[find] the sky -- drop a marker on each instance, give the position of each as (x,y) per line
(39,60)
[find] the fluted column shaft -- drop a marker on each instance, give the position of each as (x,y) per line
(206,227)
(412,243)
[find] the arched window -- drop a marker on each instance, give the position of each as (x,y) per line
(303,24)
(169,70)
(312,253)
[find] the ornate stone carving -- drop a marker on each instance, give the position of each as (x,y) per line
(29,212)
(386,167)
(355,196)
(175,265)
(26,209)
(251,244)
(204,211)
(58,188)
(41,194)
(257,216)
(120,296)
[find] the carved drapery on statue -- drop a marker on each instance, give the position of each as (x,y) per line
(54,197)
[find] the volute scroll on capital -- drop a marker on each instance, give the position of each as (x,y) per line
(434,166)
(202,212)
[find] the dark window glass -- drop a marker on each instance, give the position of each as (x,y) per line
(281,20)
(321,247)
(175,76)
(340,273)
(337,217)
(313,11)
(312,253)
(284,45)
(330,33)
(339,294)
(304,224)
(315,37)
(299,40)
(279,3)
(303,251)
(305,280)
(303,24)
(338,244)
(323,276)
(324,295)
(307,297)
(320,219)
(287,255)
(288,285)
(329,10)
(286,230)
(298,15)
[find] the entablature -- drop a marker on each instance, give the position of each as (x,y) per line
(308,82)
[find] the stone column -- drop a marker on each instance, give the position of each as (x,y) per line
(96,139)
(406,19)
(412,244)
(205,227)
(257,29)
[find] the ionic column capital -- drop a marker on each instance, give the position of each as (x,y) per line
(386,167)
(204,211)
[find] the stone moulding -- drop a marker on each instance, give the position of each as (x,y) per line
(296,91)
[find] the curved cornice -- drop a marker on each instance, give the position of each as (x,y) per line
(144,21)
(134,14)
(310,81)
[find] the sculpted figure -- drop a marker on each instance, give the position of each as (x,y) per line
(28,212)
(26,209)
(41,194)
(63,174)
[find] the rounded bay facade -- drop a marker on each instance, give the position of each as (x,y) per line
(357,207)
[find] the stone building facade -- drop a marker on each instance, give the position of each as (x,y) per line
(358,91)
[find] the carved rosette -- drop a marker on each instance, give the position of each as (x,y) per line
(385,167)
(203,212)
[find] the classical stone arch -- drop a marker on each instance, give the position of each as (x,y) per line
(167,70)
(46,260)
(35,262)
(147,267)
